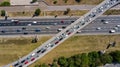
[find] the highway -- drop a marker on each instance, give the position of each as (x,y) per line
(64,34)
(42,24)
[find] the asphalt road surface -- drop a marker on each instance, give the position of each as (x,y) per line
(51,26)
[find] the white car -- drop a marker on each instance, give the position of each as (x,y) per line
(34,21)
(117,25)
(33,54)
(59,29)
(106,22)
(47,27)
(29,24)
(99,28)
(112,31)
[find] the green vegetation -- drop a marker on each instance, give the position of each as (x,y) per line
(91,59)
(65,1)
(78,1)
(55,2)
(112,12)
(5,3)
(37,12)
(3,13)
(67,11)
(33,1)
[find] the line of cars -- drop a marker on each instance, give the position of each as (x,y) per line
(59,38)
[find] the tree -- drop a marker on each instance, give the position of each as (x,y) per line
(54,64)
(85,60)
(5,3)
(62,61)
(116,56)
(37,12)
(37,66)
(33,1)
(93,56)
(65,1)
(106,58)
(55,2)
(43,65)
(78,1)
(3,13)
(77,60)
(67,11)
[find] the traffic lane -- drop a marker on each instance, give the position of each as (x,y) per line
(23,23)
(50,22)
(68,22)
(59,19)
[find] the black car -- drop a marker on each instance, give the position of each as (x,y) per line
(25,33)
(22,61)
(38,51)
(16,64)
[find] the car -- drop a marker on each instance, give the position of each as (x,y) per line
(42,51)
(38,51)
(83,23)
(32,59)
(29,24)
(106,22)
(63,27)
(15,21)
(32,54)
(56,42)
(60,39)
(62,21)
(112,31)
(18,30)
(16,64)
(69,33)
(47,27)
(20,66)
(78,31)
(23,28)
(34,22)
(117,25)
(55,24)
(59,29)
(25,33)
(98,28)
(22,61)
(26,62)
(37,30)
(3,31)
(72,21)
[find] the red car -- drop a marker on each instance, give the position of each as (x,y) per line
(62,21)
(69,33)
(32,59)
(26,62)
(57,42)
